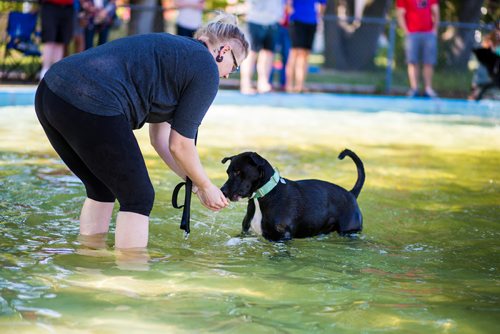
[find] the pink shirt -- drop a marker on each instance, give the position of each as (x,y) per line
(418,14)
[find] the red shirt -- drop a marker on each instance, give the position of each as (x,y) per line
(418,14)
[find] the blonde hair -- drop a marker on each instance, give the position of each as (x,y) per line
(222,29)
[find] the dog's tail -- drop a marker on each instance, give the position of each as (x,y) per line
(361,170)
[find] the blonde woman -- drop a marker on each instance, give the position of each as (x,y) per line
(90,103)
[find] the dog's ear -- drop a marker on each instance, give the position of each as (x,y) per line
(226,159)
(257,159)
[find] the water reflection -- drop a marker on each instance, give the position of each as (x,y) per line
(428,205)
(136,259)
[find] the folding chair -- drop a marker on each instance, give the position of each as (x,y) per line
(22,52)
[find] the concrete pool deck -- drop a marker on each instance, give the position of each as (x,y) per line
(24,96)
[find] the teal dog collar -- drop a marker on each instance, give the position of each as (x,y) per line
(266,188)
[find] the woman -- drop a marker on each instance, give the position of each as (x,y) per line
(303,23)
(89,103)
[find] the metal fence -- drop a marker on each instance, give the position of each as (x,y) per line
(386,69)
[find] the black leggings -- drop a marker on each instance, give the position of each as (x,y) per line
(101,150)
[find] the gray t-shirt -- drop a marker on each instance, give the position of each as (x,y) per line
(148,78)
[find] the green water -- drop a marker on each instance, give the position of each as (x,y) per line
(427,261)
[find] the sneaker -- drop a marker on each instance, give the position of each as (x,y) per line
(429,92)
(412,93)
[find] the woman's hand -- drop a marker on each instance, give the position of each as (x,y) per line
(212,198)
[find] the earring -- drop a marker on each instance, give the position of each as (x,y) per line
(219,58)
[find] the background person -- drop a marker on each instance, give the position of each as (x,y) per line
(263,19)
(97,17)
(419,19)
(283,45)
(189,16)
(57,30)
(78,33)
(89,103)
(481,79)
(303,23)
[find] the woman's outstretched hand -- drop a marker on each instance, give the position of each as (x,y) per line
(212,198)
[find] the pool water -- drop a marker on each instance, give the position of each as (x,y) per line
(426,262)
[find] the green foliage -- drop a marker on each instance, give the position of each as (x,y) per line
(221,4)
(8,6)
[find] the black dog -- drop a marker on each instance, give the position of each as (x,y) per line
(281,209)
(491,61)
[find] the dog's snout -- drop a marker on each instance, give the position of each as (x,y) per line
(224,190)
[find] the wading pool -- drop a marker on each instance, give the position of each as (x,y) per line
(427,260)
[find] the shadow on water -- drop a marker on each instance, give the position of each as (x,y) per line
(425,261)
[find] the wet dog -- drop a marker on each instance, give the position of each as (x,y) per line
(282,209)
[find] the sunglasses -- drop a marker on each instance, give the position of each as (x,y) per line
(236,67)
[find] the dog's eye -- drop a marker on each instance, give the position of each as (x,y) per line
(236,172)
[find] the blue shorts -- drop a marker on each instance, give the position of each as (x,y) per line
(262,36)
(421,47)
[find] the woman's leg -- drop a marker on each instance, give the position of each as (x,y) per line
(246,73)
(52,53)
(132,230)
(264,66)
(109,163)
(95,217)
(290,70)
(302,67)
(96,213)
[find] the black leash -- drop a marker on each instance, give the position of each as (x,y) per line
(186,212)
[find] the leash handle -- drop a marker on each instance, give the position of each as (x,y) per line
(186,207)
(186,212)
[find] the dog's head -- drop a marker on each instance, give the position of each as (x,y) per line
(246,173)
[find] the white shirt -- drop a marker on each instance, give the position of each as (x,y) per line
(265,12)
(190,18)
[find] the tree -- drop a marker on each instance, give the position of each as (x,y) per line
(350,45)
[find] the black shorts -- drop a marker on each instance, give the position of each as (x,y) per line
(57,23)
(102,151)
(302,34)
(182,31)
(263,36)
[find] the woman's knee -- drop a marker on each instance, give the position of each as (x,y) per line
(140,202)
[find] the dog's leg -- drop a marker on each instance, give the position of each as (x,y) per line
(247,220)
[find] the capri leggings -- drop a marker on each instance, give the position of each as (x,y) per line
(101,151)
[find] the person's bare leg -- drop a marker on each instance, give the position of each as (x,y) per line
(302,67)
(132,230)
(290,70)
(246,73)
(413,70)
(52,53)
(136,259)
(428,73)
(264,66)
(95,217)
